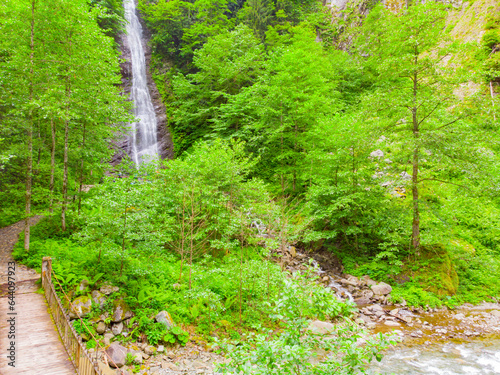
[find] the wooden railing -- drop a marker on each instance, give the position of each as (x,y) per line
(81,358)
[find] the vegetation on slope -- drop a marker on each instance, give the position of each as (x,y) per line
(382,131)
(310,113)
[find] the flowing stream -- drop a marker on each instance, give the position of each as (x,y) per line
(143,144)
(481,357)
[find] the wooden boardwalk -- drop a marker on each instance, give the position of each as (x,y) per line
(38,349)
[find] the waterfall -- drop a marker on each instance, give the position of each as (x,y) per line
(143,144)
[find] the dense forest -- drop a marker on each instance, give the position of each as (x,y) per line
(369,131)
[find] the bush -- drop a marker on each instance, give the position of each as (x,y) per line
(295,349)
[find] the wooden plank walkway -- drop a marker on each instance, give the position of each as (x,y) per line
(39,350)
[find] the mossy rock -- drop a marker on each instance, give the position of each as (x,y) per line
(81,307)
(433,268)
(121,311)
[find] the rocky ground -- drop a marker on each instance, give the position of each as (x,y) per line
(191,359)
(117,356)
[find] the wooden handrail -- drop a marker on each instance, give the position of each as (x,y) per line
(78,353)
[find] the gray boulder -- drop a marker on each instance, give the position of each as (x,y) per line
(391,323)
(366,279)
(137,357)
(381,289)
(83,285)
(405,176)
(117,328)
(107,289)
(150,350)
(100,328)
(495,313)
(377,154)
(98,298)
(164,318)
(117,355)
(81,306)
(108,336)
(121,311)
(321,328)
(352,280)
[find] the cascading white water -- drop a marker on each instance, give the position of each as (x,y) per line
(143,144)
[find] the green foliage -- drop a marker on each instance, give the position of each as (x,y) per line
(155,333)
(60,73)
(227,63)
(414,295)
(110,16)
(183,247)
(490,39)
(176,334)
(291,349)
(84,329)
(91,344)
(180,28)
(260,102)
(129,359)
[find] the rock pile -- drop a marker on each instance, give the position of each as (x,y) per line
(119,358)
(191,359)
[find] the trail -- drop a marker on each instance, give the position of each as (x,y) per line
(38,349)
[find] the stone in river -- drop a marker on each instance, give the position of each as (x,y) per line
(391,323)
(381,289)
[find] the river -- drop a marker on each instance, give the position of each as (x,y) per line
(479,356)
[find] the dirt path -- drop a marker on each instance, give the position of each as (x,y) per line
(8,238)
(34,341)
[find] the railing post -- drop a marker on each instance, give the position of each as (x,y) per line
(47,268)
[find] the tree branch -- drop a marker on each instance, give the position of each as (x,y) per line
(445,182)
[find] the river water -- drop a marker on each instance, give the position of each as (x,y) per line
(143,144)
(481,356)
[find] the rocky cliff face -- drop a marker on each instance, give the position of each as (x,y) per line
(165,144)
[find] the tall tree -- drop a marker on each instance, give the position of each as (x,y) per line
(416,99)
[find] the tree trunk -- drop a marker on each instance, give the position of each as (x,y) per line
(29,161)
(65,176)
(124,234)
(52,164)
(191,225)
(241,263)
(80,185)
(66,140)
(183,231)
(295,161)
(354,180)
(493,100)
(414,180)
(416,213)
